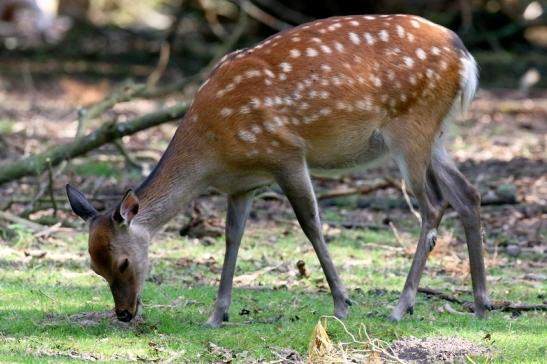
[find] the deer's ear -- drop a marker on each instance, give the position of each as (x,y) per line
(79,204)
(128,209)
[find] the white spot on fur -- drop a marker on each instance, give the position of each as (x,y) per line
(310,52)
(370,39)
(247,136)
(303,106)
(286,67)
(368,17)
(410,37)
(415,23)
(435,51)
(255,103)
(325,111)
(420,53)
(294,53)
(324,94)
(400,31)
(355,23)
(226,112)
(409,62)
(326,49)
(339,46)
(244,109)
(365,104)
(316,40)
(377,82)
(354,38)
(383,35)
(412,80)
(252,73)
(269,73)
(295,39)
(336,81)
(256,129)
(268,102)
(326,67)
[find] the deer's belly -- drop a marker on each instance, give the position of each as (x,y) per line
(356,149)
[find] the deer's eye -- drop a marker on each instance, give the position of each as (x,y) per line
(123,266)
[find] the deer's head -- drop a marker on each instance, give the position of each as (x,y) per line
(118,249)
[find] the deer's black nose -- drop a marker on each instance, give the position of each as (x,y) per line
(124,315)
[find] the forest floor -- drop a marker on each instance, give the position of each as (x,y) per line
(53,308)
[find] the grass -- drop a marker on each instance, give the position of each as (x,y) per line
(275,310)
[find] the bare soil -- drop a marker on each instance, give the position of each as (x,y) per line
(436,349)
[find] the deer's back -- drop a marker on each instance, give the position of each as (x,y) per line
(328,88)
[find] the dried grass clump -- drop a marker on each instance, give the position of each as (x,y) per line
(361,349)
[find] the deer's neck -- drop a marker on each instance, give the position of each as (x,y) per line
(180,175)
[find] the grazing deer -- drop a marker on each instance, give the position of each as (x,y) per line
(332,93)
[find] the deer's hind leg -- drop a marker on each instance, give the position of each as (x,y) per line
(465,199)
(414,161)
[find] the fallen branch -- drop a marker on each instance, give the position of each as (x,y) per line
(108,132)
(125,93)
(504,306)
(357,191)
(34,227)
(432,292)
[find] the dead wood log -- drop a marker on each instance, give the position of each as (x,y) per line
(37,163)
(358,191)
(504,306)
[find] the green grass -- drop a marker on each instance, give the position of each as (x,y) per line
(275,310)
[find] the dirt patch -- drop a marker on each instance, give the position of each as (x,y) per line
(88,319)
(436,349)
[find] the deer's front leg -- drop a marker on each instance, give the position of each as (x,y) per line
(236,217)
(296,184)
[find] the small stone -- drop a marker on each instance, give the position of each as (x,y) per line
(507,192)
(513,250)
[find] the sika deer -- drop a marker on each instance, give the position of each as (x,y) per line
(332,93)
